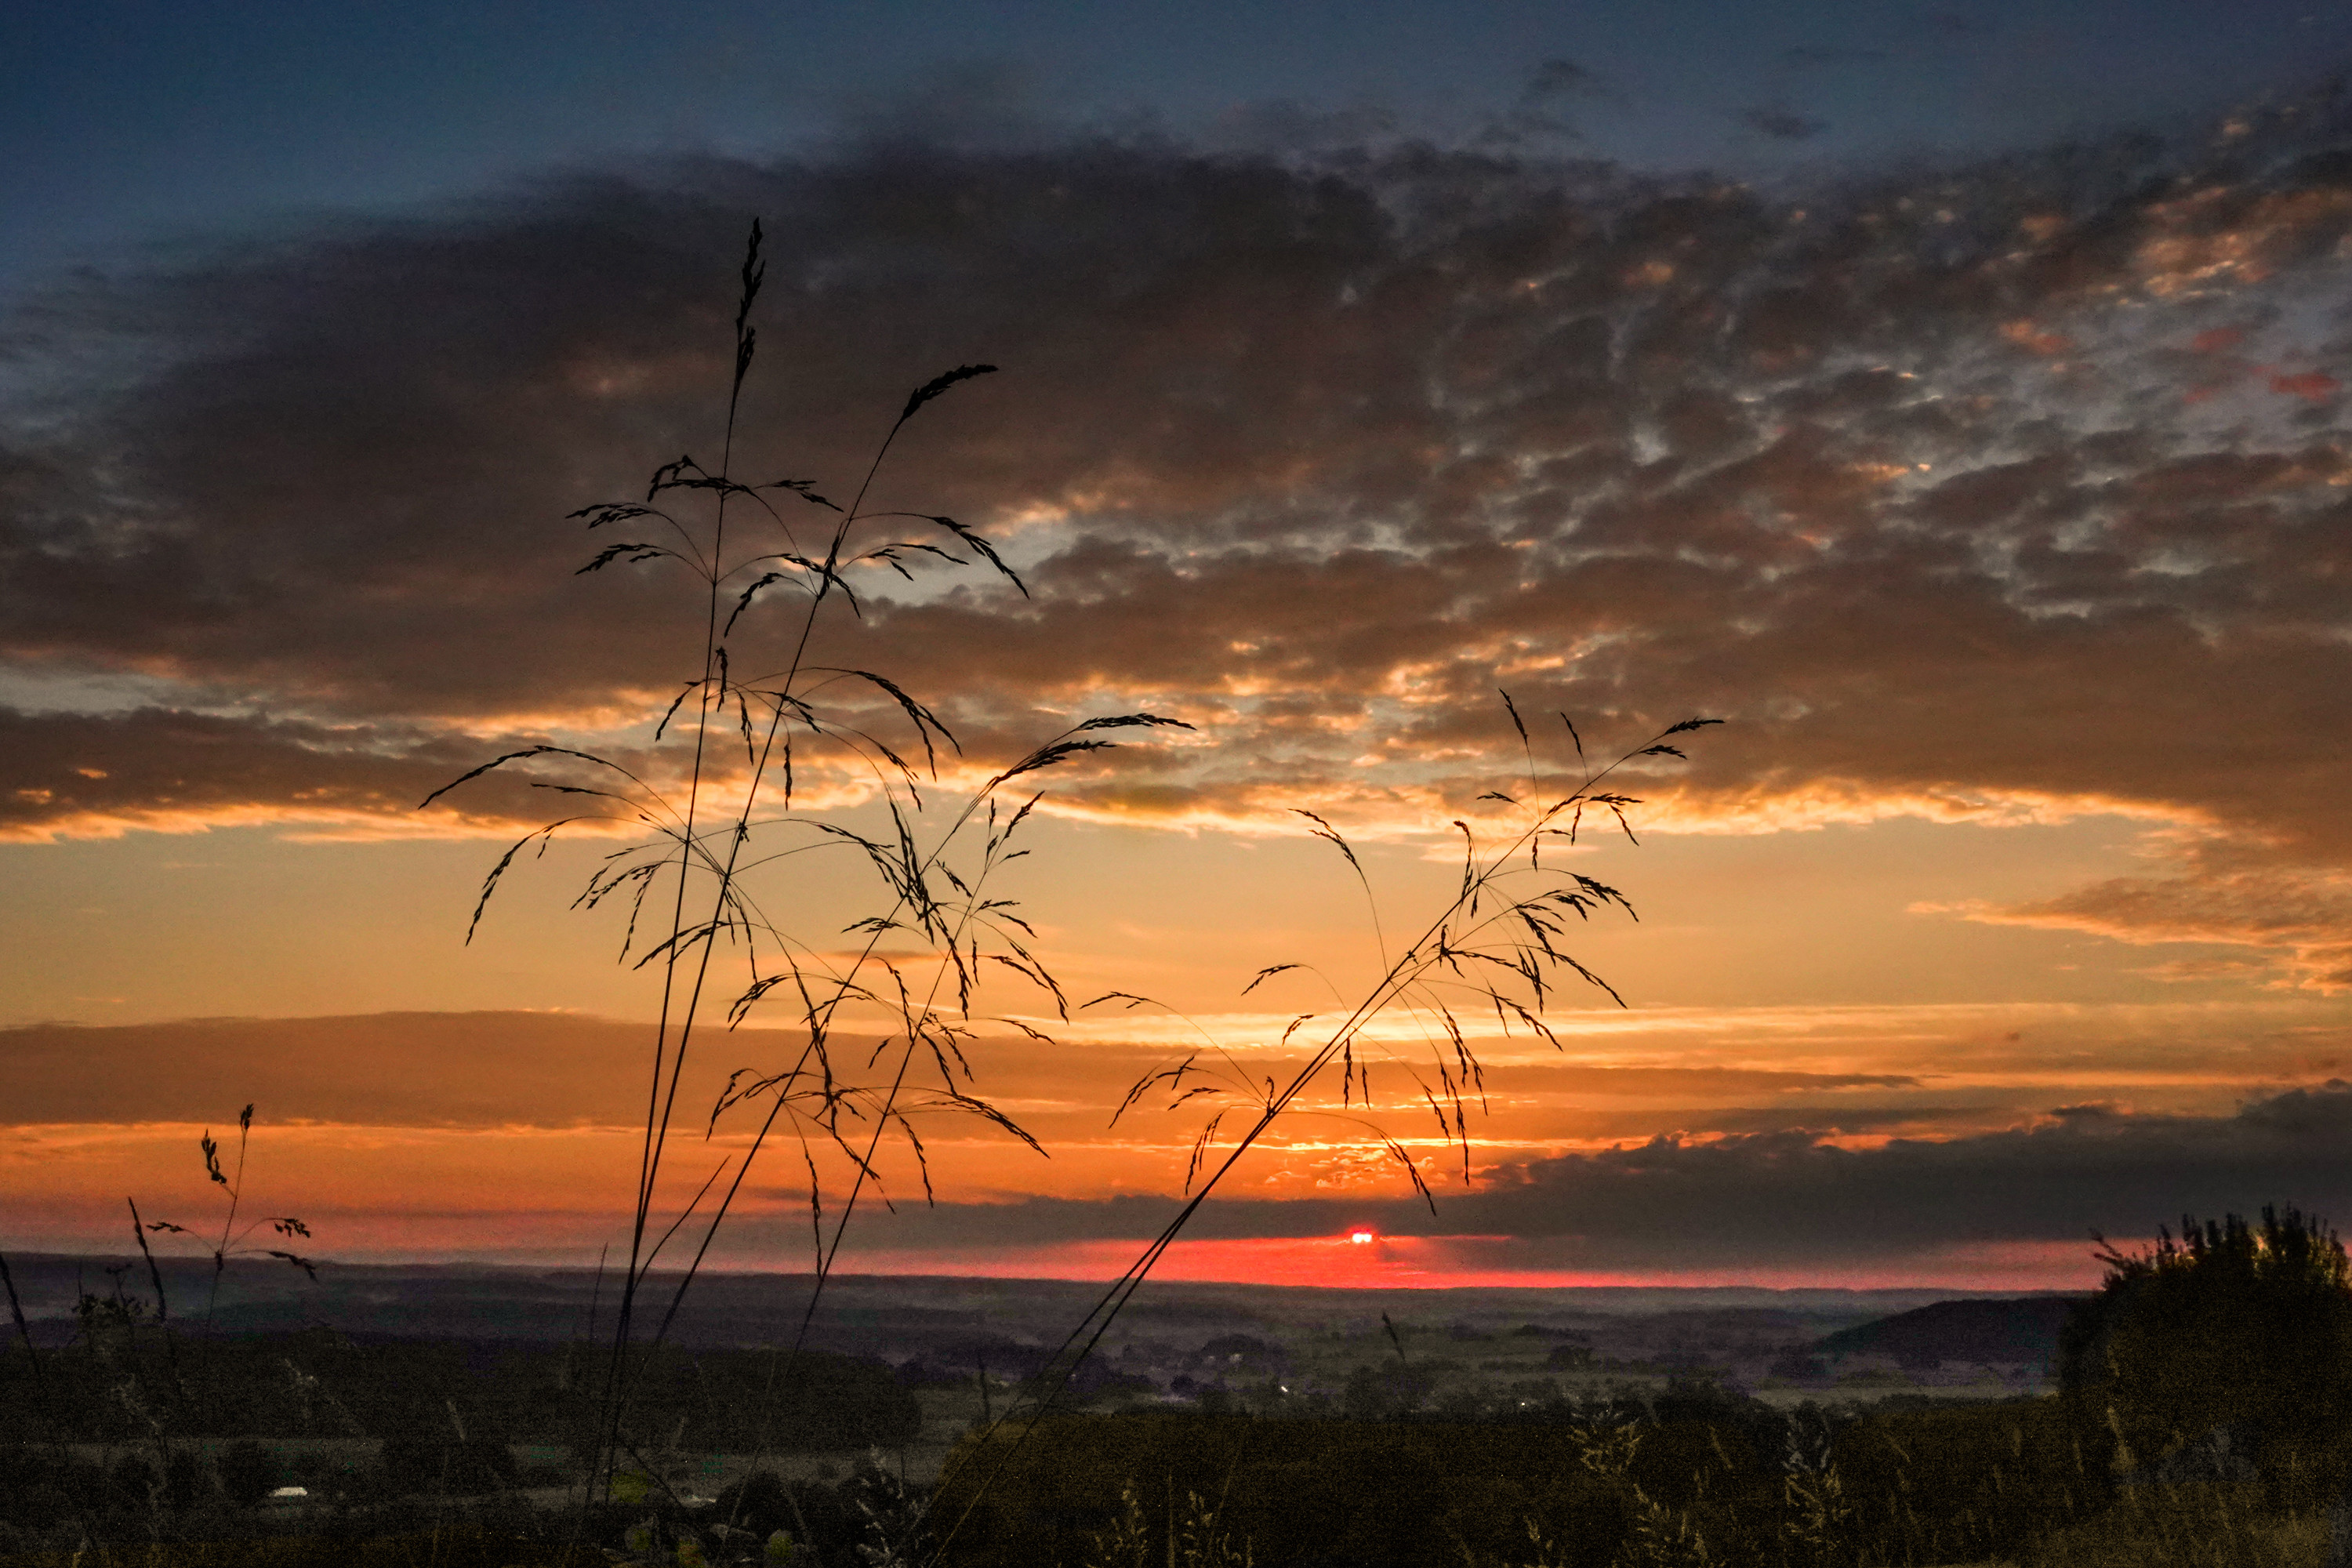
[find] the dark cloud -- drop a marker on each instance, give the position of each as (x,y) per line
(1989,492)
(971,105)
(1539,123)
(1785,1198)
(1282,127)
(1562,79)
(2085,1169)
(1781,123)
(1752,1185)
(167,770)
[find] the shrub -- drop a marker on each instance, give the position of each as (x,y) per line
(248,1472)
(1962,1482)
(461,1467)
(183,1479)
(39,1485)
(132,1483)
(2237,1329)
(821,1520)
(543,1475)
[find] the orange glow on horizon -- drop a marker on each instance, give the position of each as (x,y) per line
(1450,1262)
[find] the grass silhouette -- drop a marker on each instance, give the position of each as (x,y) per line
(744,729)
(231,1241)
(1498,943)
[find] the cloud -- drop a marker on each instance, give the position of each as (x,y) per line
(1313,450)
(2084,1169)
(1562,79)
(1540,122)
(2302,922)
(1781,123)
(1786,1198)
(1796,1166)
(972,105)
(162,770)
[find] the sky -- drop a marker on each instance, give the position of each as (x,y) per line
(1950,400)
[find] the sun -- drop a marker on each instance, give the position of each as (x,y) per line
(1360,1237)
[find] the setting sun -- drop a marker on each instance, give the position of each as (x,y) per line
(1360,1237)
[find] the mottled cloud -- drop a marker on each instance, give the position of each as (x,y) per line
(166,770)
(2005,492)
(2299,923)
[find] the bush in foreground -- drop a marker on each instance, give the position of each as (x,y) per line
(2235,1339)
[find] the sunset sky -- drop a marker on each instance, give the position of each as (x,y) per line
(1950,399)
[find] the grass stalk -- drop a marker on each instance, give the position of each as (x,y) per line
(1481,929)
(797,703)
(23,1329)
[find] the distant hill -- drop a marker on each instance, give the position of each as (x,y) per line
(898,1316)
(2020,1329)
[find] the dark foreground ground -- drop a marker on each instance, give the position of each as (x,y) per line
(1217,1425)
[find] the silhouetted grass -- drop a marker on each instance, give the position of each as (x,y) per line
(1498,943)
(740,729)
(231,1242)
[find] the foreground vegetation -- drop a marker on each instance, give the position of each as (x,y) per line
(2201,1420)
(131,1385)
(1696,1474)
